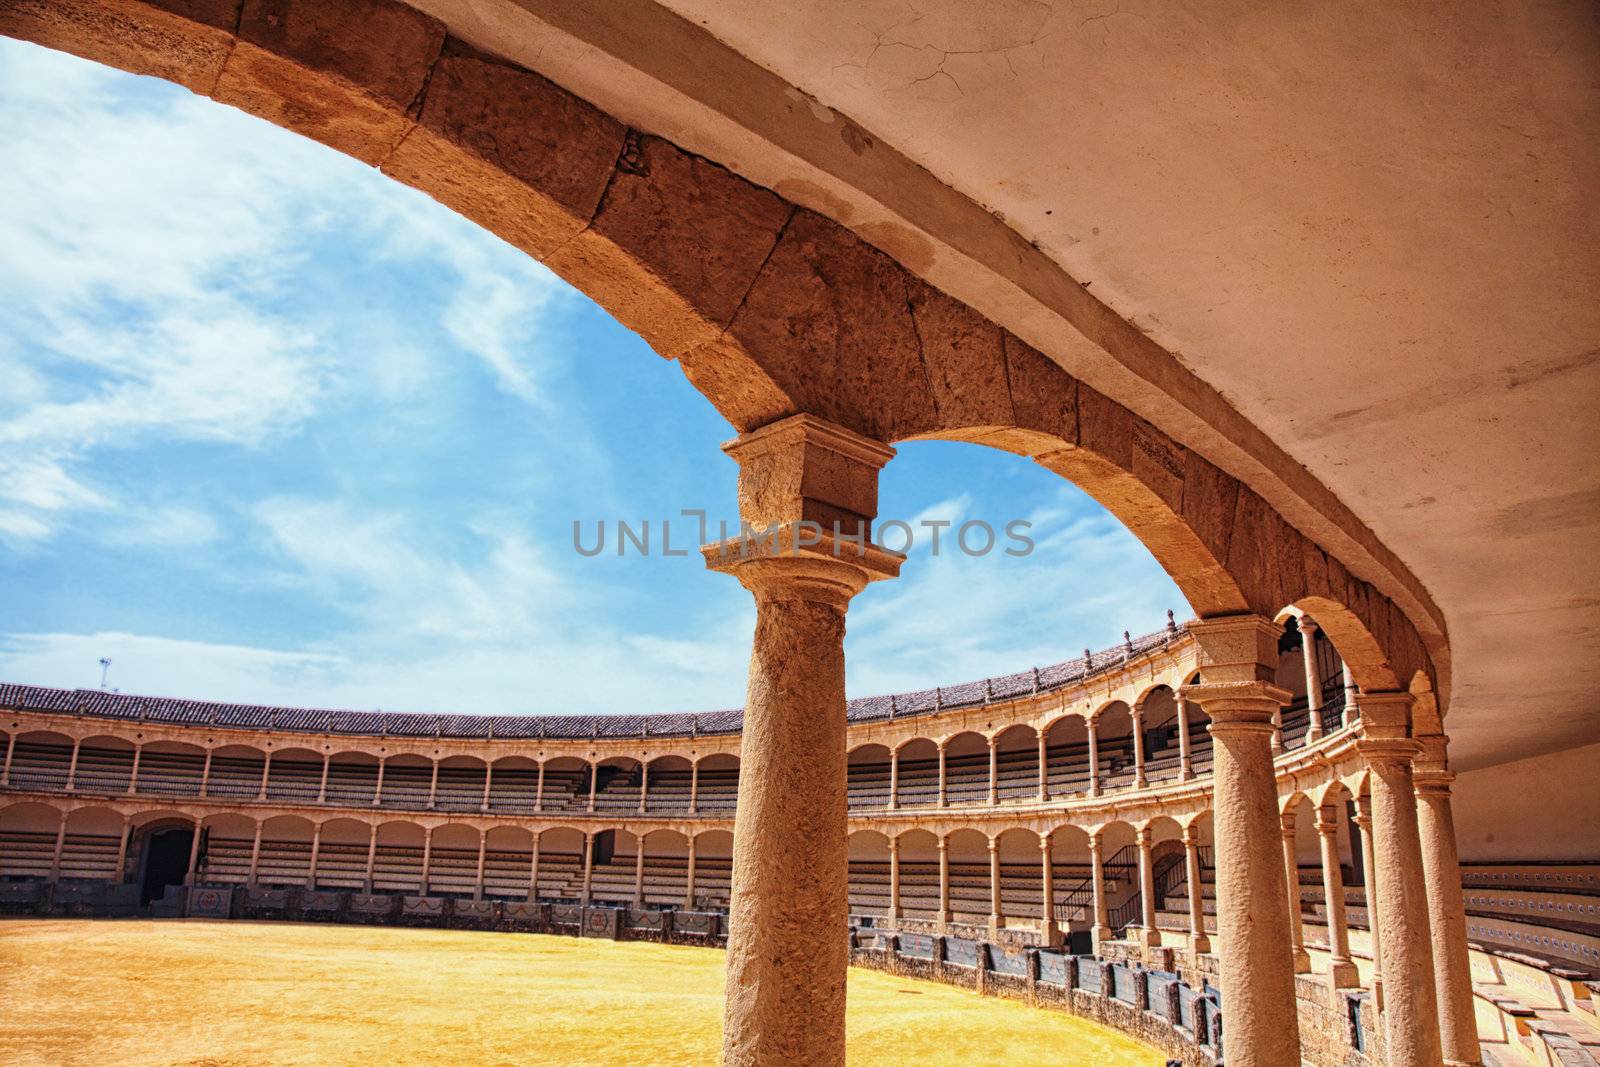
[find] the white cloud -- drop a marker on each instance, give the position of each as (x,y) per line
(148,242)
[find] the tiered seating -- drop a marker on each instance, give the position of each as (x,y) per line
(294,781)
(669,791)
(406,786)
(285,863)
(40,765)
(1545,911)
(1021,888)
(719,789)
(452,871)
(237,777)
(172,774)
(349,784)
(225,861)
(512,790)
(103,770)
(89,856)
(26,853)
(461,788)
(397,869)
(566,790)
(342,865)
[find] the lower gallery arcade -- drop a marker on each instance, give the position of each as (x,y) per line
(1071,811)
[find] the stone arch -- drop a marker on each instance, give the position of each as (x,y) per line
(236,771)
(105,764)
(462,783)
(39,760)
(1017,763)
(1113,726)
(229,841)
(397,857)
(285,858)
(868,853)
(513,785)
(718,775)
(453,860)
(342,847)
(867,776)
(170,768)
(295,775)
(968,851)
(1352,639)
(966,760)
(508,863)
(770,309)
(919,773)
(919,873)
(28,839)
(352,778)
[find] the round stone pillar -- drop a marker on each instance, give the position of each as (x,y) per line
(1410,1008)
(1341,968)
(1238,658)
(807,493)
(1291,877)
(1447,913)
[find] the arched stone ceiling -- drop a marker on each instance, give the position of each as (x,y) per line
(1346,250)
(1372,231)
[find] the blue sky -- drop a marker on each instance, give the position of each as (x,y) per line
(275,428)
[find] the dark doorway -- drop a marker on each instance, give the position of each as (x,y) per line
(166,861)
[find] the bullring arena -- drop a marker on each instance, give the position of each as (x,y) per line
(1343,815)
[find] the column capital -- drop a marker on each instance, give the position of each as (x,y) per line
(1326,824)
(941,843)
(1191,836)
(994,846)
(1242,705)
(1141,836)
(1237,648)
(1308,625)
(805,468)
(1289,823)
(1434,760)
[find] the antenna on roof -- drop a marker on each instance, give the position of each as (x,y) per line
(105,669)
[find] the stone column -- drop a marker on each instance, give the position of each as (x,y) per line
(1137,719)
(122,849)
(1341,969)
(997,917)
(316,847)
(688,892)
(1447,913)
(133,774)
(266,773)
(483,856)
(433,786)
(1044,771)
(1199,943)
(594,782)
(1049,930)
(1369,890)
(944,780)
(809,491)
(488,783)
(588,867)
(1411,1005)
(11,745)
(205,775)
(372,857)
(1308,652)
(638,871)
(427,858)
(322,789)
(1185,760)
(1291,875)
(61,841)
(1102,930)
(72,765)
(538,790)
(694,787)
(194,851)
(944,883)
(894,883)
(1238,657)
(994,772)
(377,793)
(255,855)
(1150,936)
(1352,709)
(644,786)
(894,779)
(533,869)
(1093,732)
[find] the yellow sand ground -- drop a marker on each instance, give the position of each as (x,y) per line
(233,994)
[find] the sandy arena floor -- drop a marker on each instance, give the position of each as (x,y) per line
(205,994)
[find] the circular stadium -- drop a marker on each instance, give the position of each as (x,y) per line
(1337,810)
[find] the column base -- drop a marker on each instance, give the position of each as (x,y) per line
(1199,944)
(1342,974)
(1099,934)
(1050,935)
(1149,938)
(1302,961)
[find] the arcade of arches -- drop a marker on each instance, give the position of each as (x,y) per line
(1260,797)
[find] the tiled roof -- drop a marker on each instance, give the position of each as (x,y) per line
(97,703)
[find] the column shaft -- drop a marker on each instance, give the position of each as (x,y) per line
(1447,918)
(194,853)
(1411,1006)
(1139,780)
(1291,875)
(1341,969)
(377,792)
(944,882)
(1049,932)
(483,856)
(1101,930)
(1198,941)
(533,871)
(638,872)
(894,882)
(427,861)
(72,765)
(997,918)
(944,781)
(372,857)
(488,783)
(1147,889)
(588,868)
(1308,652)
(433,786)
(1094,756)
(694,787)
(538,790)
(894,778)
(1185,761)
(316,848)
(133,774)
(205,776)
(322,789)
(61,841)
(255,854)
(994,773)
(688,891)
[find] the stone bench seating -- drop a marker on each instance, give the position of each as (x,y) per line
(28,854)
(1558,877)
